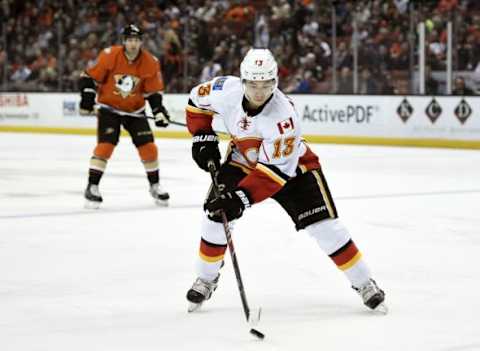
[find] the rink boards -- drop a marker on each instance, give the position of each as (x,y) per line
(449,121)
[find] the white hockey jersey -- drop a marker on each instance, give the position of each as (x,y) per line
(267,145)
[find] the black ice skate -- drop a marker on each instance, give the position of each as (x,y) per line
(373,297)
(92,197)
(200,291)
(159,195)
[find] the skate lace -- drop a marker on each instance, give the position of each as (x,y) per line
(203,287)
(94,190)
(368,291)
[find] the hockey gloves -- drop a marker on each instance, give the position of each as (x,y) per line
(205,149)
(87,95)
(160,113)
(162,118)
(233,203)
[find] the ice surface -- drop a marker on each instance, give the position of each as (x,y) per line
(115,279)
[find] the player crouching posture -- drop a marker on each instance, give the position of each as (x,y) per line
(126,75)
(267,158)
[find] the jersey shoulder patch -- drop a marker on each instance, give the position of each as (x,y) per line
(218,83)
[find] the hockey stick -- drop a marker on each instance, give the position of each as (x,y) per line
(212,169)
(139,115)
(185,125)
(181,124)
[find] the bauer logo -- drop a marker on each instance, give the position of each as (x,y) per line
(312,212)
(356,114)
(69,108)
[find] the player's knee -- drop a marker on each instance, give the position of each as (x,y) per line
(213,231)
(104,150)
(330,234)
(148,152)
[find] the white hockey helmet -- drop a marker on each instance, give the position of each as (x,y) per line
(259,65)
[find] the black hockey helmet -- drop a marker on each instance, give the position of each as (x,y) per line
(132,31)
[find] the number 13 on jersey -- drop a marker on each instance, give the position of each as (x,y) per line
(283,147)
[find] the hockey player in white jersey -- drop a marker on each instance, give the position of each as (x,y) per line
(267,158)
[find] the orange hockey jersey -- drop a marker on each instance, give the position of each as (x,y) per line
(122,85)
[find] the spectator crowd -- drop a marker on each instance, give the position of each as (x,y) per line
(47,43)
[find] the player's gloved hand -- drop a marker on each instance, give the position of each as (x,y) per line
(205,149)
(162,117)
(233,203)
(87,102)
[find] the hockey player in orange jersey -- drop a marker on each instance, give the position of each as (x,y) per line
(123,77)
(267,158)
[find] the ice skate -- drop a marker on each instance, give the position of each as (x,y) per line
(159,195)
(200,291)
(373,297)
(93,199)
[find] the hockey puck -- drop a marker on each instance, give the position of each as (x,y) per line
(258,334)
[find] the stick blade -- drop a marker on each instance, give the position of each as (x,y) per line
(257,334)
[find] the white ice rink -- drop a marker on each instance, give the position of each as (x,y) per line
(115,279)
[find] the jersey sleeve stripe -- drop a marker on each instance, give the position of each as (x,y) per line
(263,182)
(270,174)
(260,185)
(199,111)
(249,138)
(198,119)
(274,173)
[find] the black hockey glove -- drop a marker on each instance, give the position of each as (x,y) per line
(162,118)
(160,113)
(205,149)
(87,95)
(233,203)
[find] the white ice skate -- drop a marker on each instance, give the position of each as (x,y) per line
(93,199)
(159,195)
(200,291)
(373,297)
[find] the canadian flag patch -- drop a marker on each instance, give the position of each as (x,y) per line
(285,125)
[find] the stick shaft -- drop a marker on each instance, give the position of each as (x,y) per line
(231,247)
(139,115)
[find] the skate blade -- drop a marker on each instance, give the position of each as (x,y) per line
(381,309)
(161,203)
(92,205)
(192,307)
